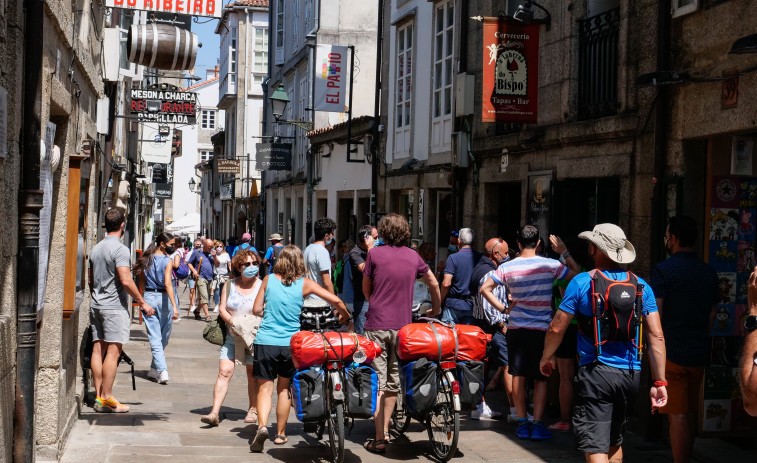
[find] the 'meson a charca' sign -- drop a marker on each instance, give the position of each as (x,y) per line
(511,71)
(211,8)
(164,106)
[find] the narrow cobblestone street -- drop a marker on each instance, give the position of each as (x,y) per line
(164,422)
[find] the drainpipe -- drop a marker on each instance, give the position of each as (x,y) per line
(30,204)
(312,41)
(660,132)
(376,152)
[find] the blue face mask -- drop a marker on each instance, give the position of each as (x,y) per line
(251,271)
(327,243)
(452,248)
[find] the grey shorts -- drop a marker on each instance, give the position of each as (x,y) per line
(386,365)
(110,325)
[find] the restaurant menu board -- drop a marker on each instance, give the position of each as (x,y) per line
(732,236)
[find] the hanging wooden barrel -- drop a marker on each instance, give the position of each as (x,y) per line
(161,46)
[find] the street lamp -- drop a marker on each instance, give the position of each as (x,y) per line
(194,187)
(525,14)
(279,102)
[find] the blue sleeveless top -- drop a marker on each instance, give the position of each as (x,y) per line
(281,320)
(155,274)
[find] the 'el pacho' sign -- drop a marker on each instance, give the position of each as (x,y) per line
(210,8)
(511,71)
(164,106)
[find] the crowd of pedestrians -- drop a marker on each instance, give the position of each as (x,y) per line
(542,315)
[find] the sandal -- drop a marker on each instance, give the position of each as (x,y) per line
(371,445)
(208,318)
(259,442)
(211,419)
(280,440)
(252,416)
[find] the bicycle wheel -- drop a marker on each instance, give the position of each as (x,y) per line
(336,431)
(400,416)
(443,426)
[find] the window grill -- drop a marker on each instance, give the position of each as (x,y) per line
(598,65)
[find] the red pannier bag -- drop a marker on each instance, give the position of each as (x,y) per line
(310,348)
(418,340)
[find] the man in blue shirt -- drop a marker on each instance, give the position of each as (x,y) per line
(686,291)
(458,302)
(201,265)
(273,251)
(607,380)
(245,245)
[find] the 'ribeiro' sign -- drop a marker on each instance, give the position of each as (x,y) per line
(210,8)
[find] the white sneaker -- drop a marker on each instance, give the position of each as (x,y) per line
(153,374)
(483,412)
(215,309)
(163,379)
(513,416)
(193,308)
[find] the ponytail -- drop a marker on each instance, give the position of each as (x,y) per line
(146,259)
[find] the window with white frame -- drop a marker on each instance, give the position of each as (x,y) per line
(441,103)
(206,155)
(279,58)
(233,56)
(260,55)
(296,24)
(124,23)
(302,140)
(208,119)
(682,7)
(403,90)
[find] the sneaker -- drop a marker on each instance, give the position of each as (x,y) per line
(524,429)
(483,412)
(153,374)
(540,432)
(259,442)
(163,379)
(561,426)
(110,405)
(215,309)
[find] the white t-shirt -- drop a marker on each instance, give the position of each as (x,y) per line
(223,269)
(317,260)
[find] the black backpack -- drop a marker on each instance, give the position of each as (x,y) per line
(616,308)
(276,251)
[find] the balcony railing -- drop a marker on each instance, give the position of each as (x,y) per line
(598,65)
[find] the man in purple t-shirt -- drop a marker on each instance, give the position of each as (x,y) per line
(388,280)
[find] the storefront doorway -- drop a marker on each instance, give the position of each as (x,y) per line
(579,204)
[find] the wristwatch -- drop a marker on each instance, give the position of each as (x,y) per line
(750,323)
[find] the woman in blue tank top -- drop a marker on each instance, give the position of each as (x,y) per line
(154,270)
(279,302)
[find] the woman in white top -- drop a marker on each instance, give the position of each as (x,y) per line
(175,252)
(240,301)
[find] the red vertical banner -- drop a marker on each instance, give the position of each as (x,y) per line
(511,71)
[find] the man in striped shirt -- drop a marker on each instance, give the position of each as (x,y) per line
(529,278)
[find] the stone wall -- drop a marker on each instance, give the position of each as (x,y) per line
(11,79)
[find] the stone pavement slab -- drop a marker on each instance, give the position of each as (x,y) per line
(164,422)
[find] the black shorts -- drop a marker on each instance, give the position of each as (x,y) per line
(498,352)
(568,348)
(272,361)
(525,348)
(604,395)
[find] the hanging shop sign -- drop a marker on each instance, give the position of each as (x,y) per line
(227,191)
(511,72)
(163,190)
(156,148)
(227,166)
(209,8)
(159,172)
(273,156)
(330,79)
(164,104)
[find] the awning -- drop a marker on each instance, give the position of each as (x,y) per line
(255,188)
(190,223)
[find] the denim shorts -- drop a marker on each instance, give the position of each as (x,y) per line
(191,283)
(228,349)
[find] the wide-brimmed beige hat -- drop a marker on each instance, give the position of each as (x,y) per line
(275,237)
(611,240)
